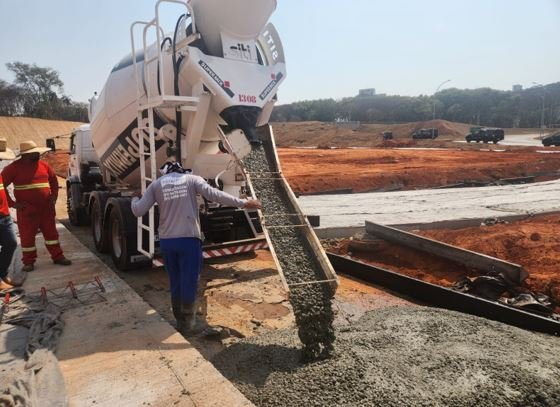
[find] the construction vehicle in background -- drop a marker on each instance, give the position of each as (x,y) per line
(425,134)
(196,95)
(485,135)
(551,140)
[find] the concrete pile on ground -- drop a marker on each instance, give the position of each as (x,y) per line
(402,356)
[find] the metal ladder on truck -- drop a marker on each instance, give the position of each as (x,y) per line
(148,102)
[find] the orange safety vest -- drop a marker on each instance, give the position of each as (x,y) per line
(34,183)
(4,209)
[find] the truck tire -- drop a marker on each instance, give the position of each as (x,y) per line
(76,214)
(495,142)
(122,232)
(98,223)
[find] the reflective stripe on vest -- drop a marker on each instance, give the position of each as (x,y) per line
(31,186)
(1,187)
(28,249)
(51,242)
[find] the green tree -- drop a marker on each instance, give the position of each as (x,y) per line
(11,99)
(42,88)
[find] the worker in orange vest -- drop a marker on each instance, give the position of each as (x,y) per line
(8,239)
(35,191)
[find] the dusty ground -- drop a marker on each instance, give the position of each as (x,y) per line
(313,171)
(533,243)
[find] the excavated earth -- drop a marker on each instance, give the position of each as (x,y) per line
(534,243)
(402,356)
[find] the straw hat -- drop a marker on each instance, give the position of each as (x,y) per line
(5,152)
(29,147)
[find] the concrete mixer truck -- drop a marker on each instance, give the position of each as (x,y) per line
(196,94)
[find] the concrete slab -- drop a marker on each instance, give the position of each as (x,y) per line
(118,350)
(433,205)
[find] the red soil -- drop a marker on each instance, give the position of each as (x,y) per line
(313,171)
(533,243)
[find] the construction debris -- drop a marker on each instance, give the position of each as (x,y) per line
(30,374)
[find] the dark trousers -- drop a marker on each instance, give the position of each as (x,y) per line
(8,244)
(183,262)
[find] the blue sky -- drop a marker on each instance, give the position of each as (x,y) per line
(333,48)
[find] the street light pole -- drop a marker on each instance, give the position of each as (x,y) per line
(542,111)
(434,103)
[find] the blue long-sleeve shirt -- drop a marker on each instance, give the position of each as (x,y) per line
(178,209)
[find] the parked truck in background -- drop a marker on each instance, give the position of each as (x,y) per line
(485,135)
(425,134)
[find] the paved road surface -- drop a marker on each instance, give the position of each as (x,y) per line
(427,206)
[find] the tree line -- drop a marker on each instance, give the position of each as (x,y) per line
(484,106)
(38,92)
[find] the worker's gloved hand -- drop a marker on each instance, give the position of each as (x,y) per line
(252,204)
(19,205)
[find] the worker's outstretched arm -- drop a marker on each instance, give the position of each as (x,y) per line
(140,206)
(215,195)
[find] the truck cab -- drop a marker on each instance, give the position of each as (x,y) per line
(83,174)
(82,153)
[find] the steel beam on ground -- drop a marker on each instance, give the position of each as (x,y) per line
(442,297)
(468,258)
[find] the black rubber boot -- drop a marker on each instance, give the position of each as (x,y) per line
(198,326)
(179,316)
(189,316)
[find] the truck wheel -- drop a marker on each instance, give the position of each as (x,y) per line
(98,229)
(495,141)
(485,141)
(122,226)
(76,214)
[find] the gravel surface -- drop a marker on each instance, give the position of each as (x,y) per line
(311,303)
(402,356)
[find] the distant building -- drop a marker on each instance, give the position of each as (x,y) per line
(367,92)
(517,88)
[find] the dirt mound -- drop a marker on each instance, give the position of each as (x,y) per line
(399,356)
(533,243)
(18,129)
(311,134)
(58,161)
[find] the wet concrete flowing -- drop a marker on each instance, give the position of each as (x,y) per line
(402,356)
(311,302)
